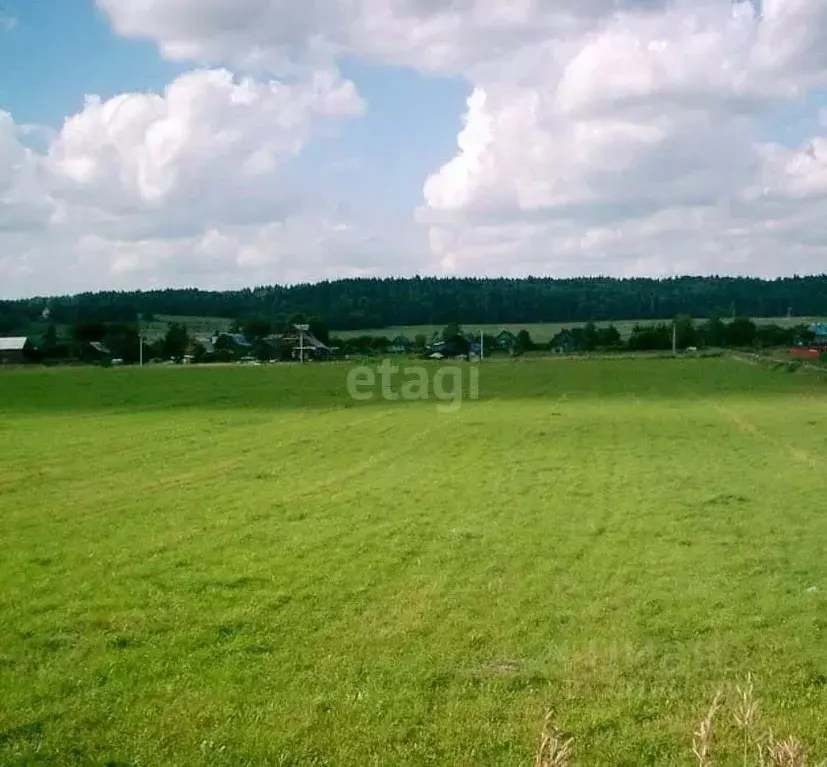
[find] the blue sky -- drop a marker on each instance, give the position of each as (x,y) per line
(679,136)
(61,50)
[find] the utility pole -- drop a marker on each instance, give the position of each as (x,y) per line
(302,329)
(140,343)
(674,338)
(482,346)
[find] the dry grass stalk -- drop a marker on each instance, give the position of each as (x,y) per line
(702,742)
(785,753)
(555,750)
(747,718)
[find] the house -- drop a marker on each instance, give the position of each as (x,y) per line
(506,341)
(207,343)
(453,347)
(303,344)
(563,343)
(819,331)
(15,349)
(96,351)
(229,341)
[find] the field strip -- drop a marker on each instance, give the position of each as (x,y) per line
(757,359)
(747,427)
(381,457)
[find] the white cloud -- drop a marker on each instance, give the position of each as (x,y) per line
(209,146)
(602,136)
(144,185)
(636,148)
(434,34)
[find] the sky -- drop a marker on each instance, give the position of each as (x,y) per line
(232,143)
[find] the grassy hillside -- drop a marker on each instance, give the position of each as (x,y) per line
(196,326)
(244,566)
(542,332)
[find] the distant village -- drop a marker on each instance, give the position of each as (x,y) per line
(117,344)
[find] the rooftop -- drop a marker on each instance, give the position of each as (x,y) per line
(13,344)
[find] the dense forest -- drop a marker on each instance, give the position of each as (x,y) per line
(354,304)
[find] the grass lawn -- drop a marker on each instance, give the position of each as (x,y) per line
(242,566)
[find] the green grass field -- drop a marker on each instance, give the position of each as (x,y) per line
(242,566)
(541,332)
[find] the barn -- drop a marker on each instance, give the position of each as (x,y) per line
(13,350)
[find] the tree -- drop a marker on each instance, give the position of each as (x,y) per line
(609,338)
(773,335)
(87,332)
(591,337)
(176,341)
(155,349)
(263,350)
(319,329)
(50,336)
(256,327)
(740,332)
(524,340)
(123,341)
(420,341)
(685,333)
(713,332)
(651,337)
(354,304)
(297,318)
(451,331)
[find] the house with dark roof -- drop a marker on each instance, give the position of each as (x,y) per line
(230,341)
(303,345)
(563,343)
(506,341)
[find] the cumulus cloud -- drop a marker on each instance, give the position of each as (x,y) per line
(601,136)
(445,35)
(156,180)
(637,148)
(209,145)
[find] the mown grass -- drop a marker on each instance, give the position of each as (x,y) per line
(242,566)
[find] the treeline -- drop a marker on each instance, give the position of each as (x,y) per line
(682,333)
(354,304)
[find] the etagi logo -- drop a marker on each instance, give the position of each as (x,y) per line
(447,382)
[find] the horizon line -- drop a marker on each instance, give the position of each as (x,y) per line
(420,277)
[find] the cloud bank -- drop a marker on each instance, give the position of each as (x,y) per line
(632,138)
